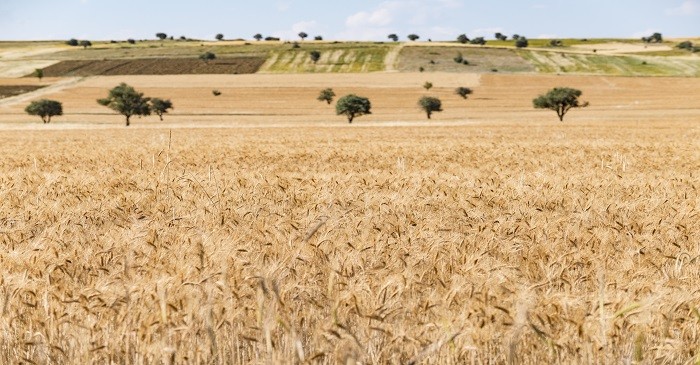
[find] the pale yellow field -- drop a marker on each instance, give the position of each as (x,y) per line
(258,227)
(291,98)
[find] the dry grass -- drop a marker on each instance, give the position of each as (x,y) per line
(492,243)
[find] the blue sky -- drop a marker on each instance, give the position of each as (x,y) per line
(345,20)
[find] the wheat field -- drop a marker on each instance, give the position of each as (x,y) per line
(490,243)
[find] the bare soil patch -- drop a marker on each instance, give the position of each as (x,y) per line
(7,91)
(155,66)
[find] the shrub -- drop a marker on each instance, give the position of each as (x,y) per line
(207,56)
(521,42)
(463,91)
(428,85)
(326,95)
(430,105)
(216,92)
(315,56)
(160,106)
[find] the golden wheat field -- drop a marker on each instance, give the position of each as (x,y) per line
(239,231)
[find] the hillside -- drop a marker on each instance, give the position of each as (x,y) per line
(613,57)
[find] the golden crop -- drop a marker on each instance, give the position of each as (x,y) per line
(483,244)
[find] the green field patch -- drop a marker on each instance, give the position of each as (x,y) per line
(480,59)
(571,63)
(339,58)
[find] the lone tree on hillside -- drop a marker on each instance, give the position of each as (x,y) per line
(500,36)
(462,38)
(315,56)
(85,44)
(464,92)
(318,38)
(45,109)
(126,101)
(72,42)
(161,36)
(219,37)
(656,38)
(413,37)
(430,105)
(559,99)
(39,73)
(303,35)
(521,42)
(207,56)
(353,106)
(258,37)
(326,95)
(428,85)
(160,106)
(131,41)
(393,37)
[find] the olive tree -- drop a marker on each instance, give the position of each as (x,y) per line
(161,36)
(430,105)
(302,35)
(258,37)
(393,37)
(462,38)
(219,37)
(353,106)
(326,95)
(160,106)
(126,101)
(85,44)
(39,73)
(413,37)
(45,109)
(463,92)
(561,100)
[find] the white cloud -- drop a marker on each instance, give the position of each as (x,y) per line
(645,33)
(380,17)
(485,32)
(311,27)
(413,16)
(688,7)
(283,6)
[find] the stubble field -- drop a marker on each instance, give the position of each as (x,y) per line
(252,232)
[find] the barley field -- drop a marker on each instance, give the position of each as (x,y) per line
(486,243)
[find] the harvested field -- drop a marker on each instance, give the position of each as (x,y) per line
(155,66)
(521,241)
(481,60)
(7,91)
(264,99)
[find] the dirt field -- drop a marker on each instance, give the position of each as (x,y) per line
(155,66)
(12,90)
